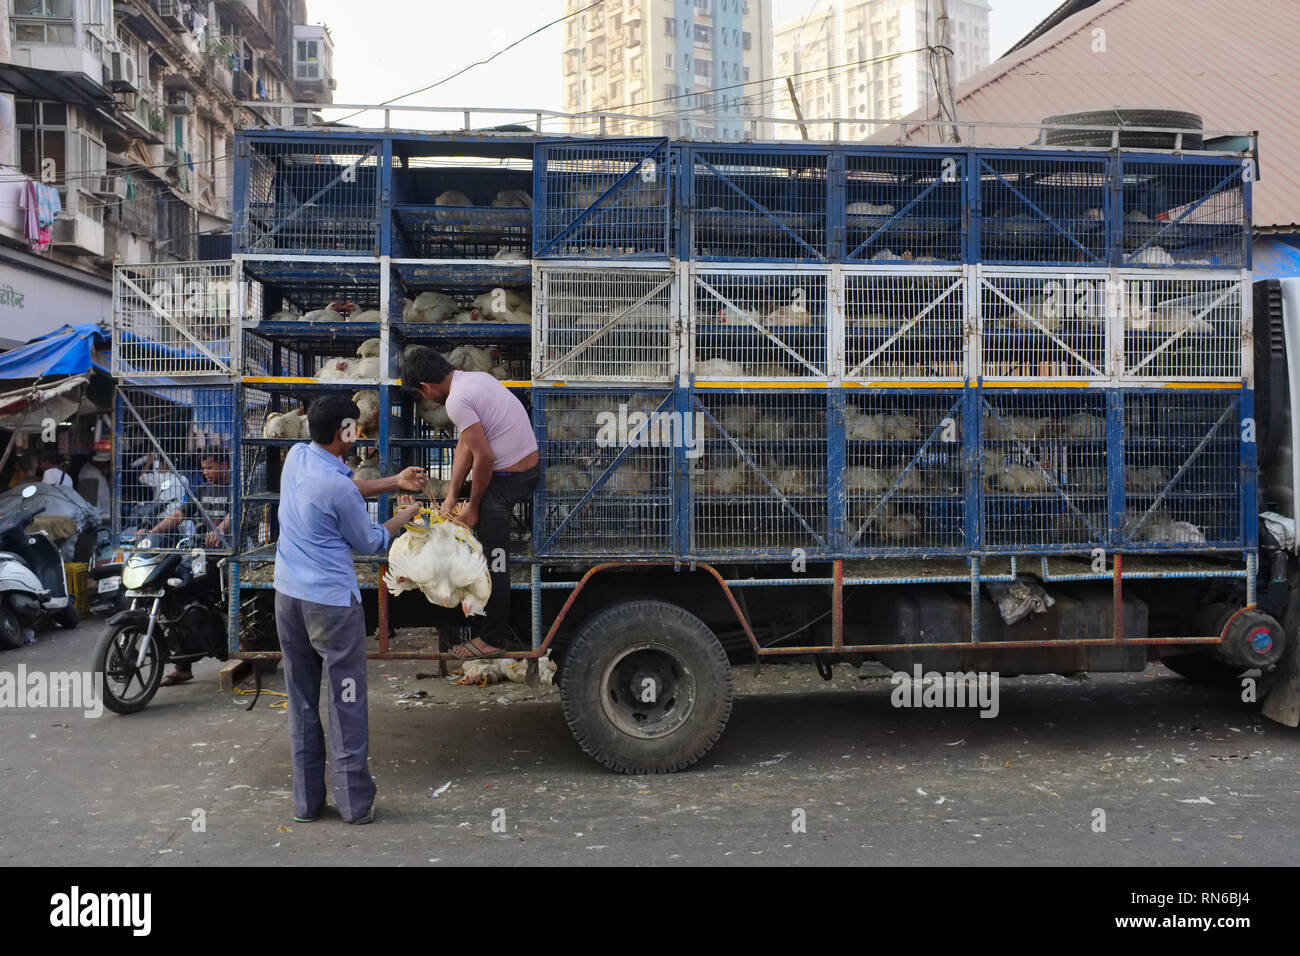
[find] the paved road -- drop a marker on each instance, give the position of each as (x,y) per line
(1184,775)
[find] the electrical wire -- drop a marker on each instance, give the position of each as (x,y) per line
(466,69)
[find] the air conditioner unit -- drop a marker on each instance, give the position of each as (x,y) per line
(180,101)
(110,187)
(124,75)
(332,83)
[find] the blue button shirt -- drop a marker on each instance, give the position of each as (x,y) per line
(323,520)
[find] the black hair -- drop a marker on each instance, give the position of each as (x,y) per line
(50,456)
(421,364)
(326,415)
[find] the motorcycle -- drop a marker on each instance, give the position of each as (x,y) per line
(177,616)
(33,583)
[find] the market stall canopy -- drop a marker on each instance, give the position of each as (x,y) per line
(27,408)
(70,350)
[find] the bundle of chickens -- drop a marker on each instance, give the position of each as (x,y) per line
(442,560)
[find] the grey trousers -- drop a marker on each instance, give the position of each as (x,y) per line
(316,637)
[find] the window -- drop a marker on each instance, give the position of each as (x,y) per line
(70,156)
(636,64)
(43,21)
(703,35)
(704,5)
(670,27)
(668,61)
(747,39)
(703,68)
(307,66)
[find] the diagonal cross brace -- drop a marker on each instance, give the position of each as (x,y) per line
(166,317)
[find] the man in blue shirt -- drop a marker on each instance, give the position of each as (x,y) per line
(323,521)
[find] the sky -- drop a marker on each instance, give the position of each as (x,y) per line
(384,48)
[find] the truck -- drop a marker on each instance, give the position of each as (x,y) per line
(950,408)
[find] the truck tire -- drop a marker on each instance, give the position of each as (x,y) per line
(1174,119)
(646,687)
(1202,669)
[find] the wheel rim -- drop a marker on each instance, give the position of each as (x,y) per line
(648,691)
(120,671)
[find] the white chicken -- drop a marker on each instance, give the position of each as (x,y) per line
(725,481)
(1082,425)
(1017,479)
(471,358)
(1007,427)
(513,199)
(368,349)
(503,305)
(1148,480)
(565,479)
(365,466)
(719,368)
(445,562)
(368,401)
(435,413)
(793,313)
(291,425)
(430,307)
(349,369)
(452,197)
(287,315)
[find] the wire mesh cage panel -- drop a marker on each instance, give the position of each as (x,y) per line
(175,319)
(615,325)
(310,196)
(759,204)
(462,201)
(1184,211)
(904,472)
(1044,470)
(607,471)
(1183,467)
(758,480)
(762,325)
(902,326)
(173,454)
(1182,328)
(1044,325)
(1041,208)
(903,206)
(603,200)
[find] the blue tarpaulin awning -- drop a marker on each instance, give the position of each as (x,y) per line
(69,350)
(1274,257)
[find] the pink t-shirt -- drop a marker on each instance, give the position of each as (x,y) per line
(478,397)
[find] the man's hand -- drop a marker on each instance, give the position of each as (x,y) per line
(409,513)
(469,515)
(448,507)
(213,540)
(412,479)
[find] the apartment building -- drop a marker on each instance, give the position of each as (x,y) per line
(658,58)
(866,59)
(127,108)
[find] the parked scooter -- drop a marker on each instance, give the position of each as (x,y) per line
(33,584)
(177,616)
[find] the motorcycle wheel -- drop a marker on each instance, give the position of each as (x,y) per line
(11,631)
(124,687)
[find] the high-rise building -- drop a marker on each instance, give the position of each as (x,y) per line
(867,59)
(657,58)
(127,109)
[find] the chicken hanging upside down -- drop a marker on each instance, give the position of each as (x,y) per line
(444,561)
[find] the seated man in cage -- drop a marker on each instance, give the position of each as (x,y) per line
(213,493)
(496,448)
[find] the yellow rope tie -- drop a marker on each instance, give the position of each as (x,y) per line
(275,705)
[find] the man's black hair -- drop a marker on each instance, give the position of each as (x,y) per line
(422,364)
(50,456)
(326,414)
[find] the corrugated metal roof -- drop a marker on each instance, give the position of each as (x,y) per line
(1233,63)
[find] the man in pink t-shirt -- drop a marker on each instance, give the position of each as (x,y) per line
(496,446)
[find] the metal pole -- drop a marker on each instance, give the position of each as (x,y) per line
(942,58)
(798,111)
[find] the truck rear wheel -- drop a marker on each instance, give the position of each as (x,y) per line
(1202,669)
(646,687)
